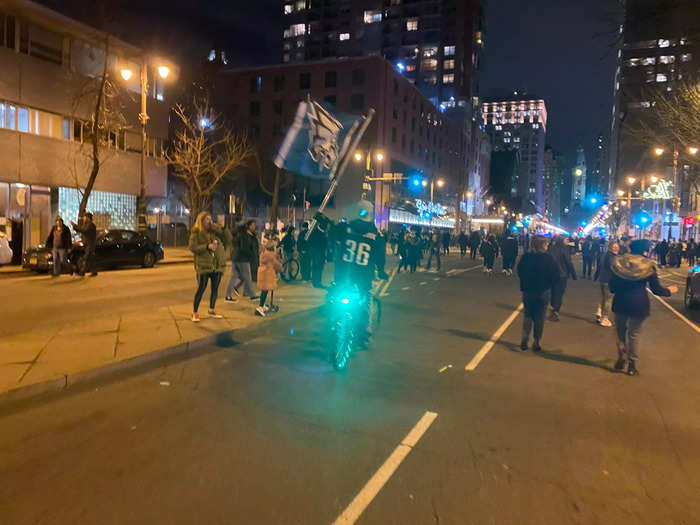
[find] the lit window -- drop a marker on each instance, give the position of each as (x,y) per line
(660,77)
(649,61)
(412,24)
(516,139)
(287,9)
(285,57)
(429,52)
(499,127)
(449,51)
(429,64)
(633,62)
(448,64)
(344,36)
(287,46)
(300,43)
(373,16)
(667,59)
(448,79)
(686,57)
(479,37)
(535,126)
(664,43)
(212,56)
(507,139)
(430,79)
(297,29)
(301,5)
(411,67)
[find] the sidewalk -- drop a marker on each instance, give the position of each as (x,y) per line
(53,357)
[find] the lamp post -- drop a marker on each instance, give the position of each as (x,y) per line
(676,205)
(379,184)
(126,74)
(440,183)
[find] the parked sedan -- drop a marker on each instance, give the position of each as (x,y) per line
(692,288)
(114,248)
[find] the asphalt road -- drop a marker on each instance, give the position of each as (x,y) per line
(265,432)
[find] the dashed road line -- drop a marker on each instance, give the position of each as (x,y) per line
(358,505)
(456,271)
(388,283)
(491,342)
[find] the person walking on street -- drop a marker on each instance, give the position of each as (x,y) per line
(588,252)
(304,255)
(509,249)
(209,244)
(661,250)
(318,245)
(602,275)
(59,242)
(413,250)
(474,242)
(562,257)
(693,249)
(245,250)
(88,233)
(446,241)
(268,271)
(537,272)
(632,273)
(434,247)
(463,242)
(489,251)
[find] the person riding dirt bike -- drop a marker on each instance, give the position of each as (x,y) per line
(355,240)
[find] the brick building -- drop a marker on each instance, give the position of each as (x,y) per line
(408,137)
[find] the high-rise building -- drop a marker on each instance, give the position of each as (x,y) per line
(579,174)
(435,44)
(520,123)
(551,185)
(659,48)
(597,180)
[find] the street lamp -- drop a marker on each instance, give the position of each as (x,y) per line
(654,179)
(126,74)
(358,157)
(620,193)
(693,150)
(631,180)
(658,151)
(380,156)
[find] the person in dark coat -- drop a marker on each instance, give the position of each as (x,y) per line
(318,245)
(509,249)
(304,254)
(561,254)
(589,250)
(434,246)
(413,251)
(446,240)
(661,250)
(463,242)
(88,233)
(59,242)
(474,242)
(692,251)
(537,272)
(245,252)
(380,253)
(674,254)
(489,251)
(632,273)
(603,274)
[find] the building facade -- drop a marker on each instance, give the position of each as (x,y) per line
(48,63)
(659,51)
(436,44)
(551,185)
(519,123)
(409,140)
(579,174)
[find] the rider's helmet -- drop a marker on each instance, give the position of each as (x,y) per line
(362,210)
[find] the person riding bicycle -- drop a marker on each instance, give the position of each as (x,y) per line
(356,242)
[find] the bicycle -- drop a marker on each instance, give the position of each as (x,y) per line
(290,266)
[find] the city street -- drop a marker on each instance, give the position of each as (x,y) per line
(266,431)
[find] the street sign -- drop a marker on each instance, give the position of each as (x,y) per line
(661,190)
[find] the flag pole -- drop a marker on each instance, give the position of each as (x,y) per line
(341,168)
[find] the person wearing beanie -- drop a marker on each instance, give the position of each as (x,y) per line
(631,273)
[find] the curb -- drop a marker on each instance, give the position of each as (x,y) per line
(64,382)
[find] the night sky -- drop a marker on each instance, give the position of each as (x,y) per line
(555,49)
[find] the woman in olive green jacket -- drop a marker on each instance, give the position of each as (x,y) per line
(210,244)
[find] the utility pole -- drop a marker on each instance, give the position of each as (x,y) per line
(143,117)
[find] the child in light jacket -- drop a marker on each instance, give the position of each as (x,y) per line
(268,274)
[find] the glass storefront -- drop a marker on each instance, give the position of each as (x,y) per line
(110,210)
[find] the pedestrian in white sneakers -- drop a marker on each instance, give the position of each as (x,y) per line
(603,274)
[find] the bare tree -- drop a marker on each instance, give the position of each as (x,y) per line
(272,179)
(103,100)
(204,151)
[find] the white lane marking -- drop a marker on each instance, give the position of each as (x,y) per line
(388,283)
(358,505)
(491,342)
(678,314)
(436,279)
(406,288)
(422,283)
(456,271)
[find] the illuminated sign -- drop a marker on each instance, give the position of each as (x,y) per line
(689,221)
(660,190)
(430,208)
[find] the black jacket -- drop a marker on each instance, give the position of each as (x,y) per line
(67,240)
(562,257)
(509,248)
(538,273)
(604,271)
(246,247)
(631,275)
(88,232)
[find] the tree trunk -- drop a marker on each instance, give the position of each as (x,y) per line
(95,138)
(275,201)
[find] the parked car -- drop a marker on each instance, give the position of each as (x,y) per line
(691,298)
(114,248)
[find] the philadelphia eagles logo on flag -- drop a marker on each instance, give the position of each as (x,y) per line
(317,140)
